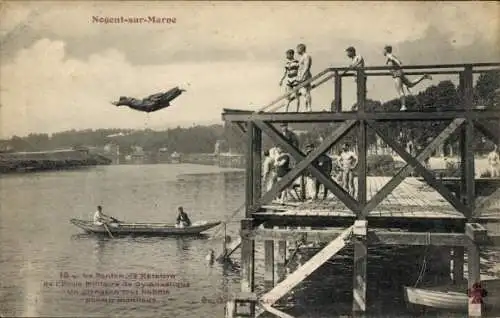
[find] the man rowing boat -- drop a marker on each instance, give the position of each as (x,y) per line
(103,219)
(182,219)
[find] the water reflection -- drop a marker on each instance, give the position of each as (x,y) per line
(183,245)
(99,250)
(230,268)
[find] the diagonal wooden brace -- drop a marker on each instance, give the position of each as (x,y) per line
(405,171)
(426,174)
(274,311)
(490,131)
(307,164)
(242,127)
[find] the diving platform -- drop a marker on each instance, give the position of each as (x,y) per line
(414,206)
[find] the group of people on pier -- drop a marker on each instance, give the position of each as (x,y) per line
(297,75)
(277,163)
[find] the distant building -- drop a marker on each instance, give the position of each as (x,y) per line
(112,151)
(175,157)
(220,146)
(138,156)
(162,155)
(5,146)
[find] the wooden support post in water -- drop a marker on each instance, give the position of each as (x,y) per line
(224,242)
(362,145)
(458,264)
(247,260)
(476,234)
(281,261)
(362,142)
(468,150)
(247,244)
(360,232)
(268,264)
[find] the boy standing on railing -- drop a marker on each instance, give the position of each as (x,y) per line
(305,63)
(291,73)
(399,76)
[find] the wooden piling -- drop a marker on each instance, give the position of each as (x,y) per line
(247,260)
(458,264)
(268,264)
(359,269)
(476,234)
(281,261)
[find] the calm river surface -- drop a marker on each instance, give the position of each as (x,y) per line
(37,244)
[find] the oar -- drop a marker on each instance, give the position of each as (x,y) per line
(109,232)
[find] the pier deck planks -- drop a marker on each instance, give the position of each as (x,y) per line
(411,199)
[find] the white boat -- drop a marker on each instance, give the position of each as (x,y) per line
(452,297)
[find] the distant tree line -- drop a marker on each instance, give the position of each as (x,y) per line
(202,139)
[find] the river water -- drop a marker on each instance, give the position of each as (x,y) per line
(48,268)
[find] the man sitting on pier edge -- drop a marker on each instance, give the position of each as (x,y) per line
(182,219)
(323,163)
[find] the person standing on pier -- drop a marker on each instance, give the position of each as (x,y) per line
(494,162)
(304,74)
(323,163)
(289,135)
(291,76)
(357,62)
(282,168)
(348,161)
(400,78)
(268,169)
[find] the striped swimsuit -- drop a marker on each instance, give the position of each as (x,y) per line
(292,71)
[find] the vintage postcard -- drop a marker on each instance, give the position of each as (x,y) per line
(249,159)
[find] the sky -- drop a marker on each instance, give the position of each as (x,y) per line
(59,70)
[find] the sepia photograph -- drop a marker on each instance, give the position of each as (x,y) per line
(224,159)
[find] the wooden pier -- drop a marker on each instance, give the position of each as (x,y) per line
(398,210)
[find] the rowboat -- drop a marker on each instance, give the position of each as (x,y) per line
(452,297)
(144,229)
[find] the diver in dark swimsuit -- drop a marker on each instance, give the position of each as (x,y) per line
(151,103)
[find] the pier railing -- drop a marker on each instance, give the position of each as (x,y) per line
(338,73)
